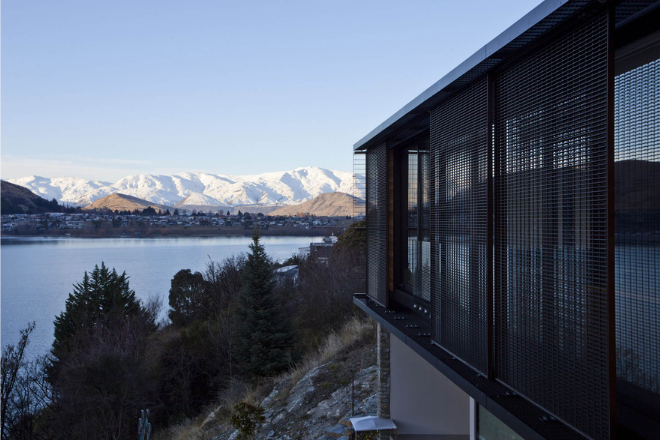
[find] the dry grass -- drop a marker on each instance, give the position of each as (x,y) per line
(187,430)
(355,330)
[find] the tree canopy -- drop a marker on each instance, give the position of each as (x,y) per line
(187,299)
(354,239)
(102,295)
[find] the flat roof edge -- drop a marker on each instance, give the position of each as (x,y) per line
(511,33)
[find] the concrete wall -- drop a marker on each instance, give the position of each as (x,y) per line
(383,386)
(422,400)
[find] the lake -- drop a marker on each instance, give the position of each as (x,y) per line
(38,273)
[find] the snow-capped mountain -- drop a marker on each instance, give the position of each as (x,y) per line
(64,189)
(282,187)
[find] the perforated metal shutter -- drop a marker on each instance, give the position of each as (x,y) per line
(459,230)
(637,217)
(377,223)
(551,266)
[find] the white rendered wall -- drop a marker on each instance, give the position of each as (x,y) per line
(422,400)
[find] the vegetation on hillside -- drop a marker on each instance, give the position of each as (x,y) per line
(18,200)
(232,326)
(263,335)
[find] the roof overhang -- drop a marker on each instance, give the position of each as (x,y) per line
(542,19)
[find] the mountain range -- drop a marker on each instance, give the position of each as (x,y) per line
(198,189)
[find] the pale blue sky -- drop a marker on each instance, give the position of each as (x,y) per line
(103,89)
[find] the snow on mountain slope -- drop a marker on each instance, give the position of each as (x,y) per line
(65,189)
(281,187)
(198,199)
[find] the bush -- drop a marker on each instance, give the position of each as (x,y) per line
(247,418)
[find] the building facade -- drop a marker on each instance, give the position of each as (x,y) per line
(513,234)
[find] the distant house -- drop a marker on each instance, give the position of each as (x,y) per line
(321,251)
(287,274)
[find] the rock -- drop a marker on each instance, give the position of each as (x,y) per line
(339,403)
(338,431)
(307,411)
(209,419)
(365,407)
(302,389)
(269,401)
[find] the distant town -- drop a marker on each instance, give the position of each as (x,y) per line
(155,224)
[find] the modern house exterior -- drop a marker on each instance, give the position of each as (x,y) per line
(513,234)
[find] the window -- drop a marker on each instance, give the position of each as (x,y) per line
(414,246)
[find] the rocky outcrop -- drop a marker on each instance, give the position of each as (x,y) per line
(314,406)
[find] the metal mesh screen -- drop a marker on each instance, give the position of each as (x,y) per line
(637,225)
(424,280)
(359,185)
(459,228)
(376,177)
(411,271)
(551,271)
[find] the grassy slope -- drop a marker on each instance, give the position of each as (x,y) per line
(323,205)
(123,202)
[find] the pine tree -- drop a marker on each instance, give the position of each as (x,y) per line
(264,335)
(100,296)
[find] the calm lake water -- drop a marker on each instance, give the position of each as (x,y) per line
(38,273)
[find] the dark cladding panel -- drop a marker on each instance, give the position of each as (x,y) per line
(551,265)
(377,223)
(459,229)
(637,225)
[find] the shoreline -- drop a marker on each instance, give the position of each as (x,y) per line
(192,232)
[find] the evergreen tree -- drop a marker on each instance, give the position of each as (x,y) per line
(99,372)
(188,298)
(99,297)
(264,335)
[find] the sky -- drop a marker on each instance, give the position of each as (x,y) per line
(105,89)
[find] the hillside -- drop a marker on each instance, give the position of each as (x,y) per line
(324,205)
(123,202)
(308,402)
(281,187)
(19,200)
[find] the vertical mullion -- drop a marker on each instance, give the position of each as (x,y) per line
(490,305)
(611,286)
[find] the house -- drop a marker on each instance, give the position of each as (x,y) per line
(513,234)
